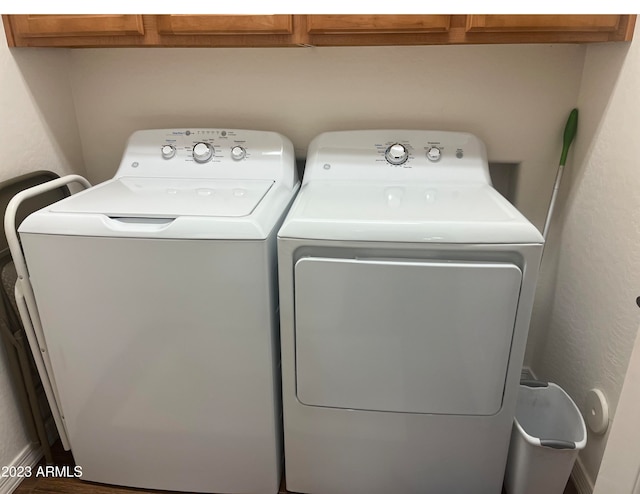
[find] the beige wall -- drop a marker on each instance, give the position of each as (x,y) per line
(38,130)
(516,98)
(620,470)
(588,325)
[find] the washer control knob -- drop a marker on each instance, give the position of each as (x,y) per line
(238,153)
(396,154)
(168,151)
(434,153)
(202,152)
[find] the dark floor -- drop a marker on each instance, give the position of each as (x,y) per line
(49,485)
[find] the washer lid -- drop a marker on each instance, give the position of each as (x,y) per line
(167,198)
(407,212)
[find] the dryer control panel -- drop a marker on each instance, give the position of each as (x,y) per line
(208,154)
(392,155)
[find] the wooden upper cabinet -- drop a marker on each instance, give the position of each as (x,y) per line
(222,30)
(310,30)
(150,30)
(74,30)
(225,24)
(40,26)
(555,28)
(345,30)
(336,30)
(528,23)
(376,24)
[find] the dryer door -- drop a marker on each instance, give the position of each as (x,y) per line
(404,336)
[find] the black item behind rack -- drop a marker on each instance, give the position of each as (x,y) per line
(27,384)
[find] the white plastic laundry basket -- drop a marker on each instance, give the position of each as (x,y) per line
(548,432)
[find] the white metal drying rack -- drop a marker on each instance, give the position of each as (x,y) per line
(26,301)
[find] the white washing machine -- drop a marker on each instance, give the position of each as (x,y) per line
(406,288)
(157,296)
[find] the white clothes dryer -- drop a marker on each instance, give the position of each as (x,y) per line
(406,288)
(157,296)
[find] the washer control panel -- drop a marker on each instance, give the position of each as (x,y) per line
(207,153)
(397,155)
(204,145)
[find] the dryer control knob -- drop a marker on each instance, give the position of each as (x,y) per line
(238,153)
(434,153)
(168,151)
(396,154)
(202,152)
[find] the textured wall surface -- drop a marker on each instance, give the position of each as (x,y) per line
(38,130)
(514,97)
(38,127)
(593,317)
(620,470)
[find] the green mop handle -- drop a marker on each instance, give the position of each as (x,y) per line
(570,130)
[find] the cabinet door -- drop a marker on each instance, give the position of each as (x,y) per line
(73,30)
(350,24)
(225,24)
(39,26)
(224,30)
(345,30)
(555,28)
